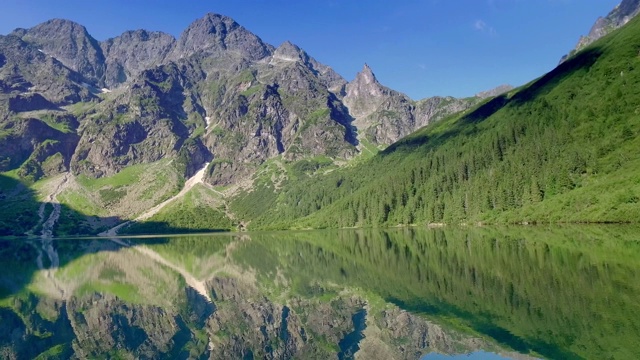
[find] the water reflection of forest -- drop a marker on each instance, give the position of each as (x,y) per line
(557,292)
(563,292)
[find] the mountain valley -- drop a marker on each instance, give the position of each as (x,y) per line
(283,141)
(213,196)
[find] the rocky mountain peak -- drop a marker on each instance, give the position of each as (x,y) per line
(69,43)
(365,84)
(617,18)
(366,96)
(367,75)
(288,51)
(134,51)
(217,34)
(383,115)
(215,22)
(56,27)
(626,10)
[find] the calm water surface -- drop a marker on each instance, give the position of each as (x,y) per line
(457,293)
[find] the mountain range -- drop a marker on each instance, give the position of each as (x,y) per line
(217,96)
(259,136)
(218,88)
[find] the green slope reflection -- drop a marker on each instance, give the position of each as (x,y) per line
(562,293)
(558,292)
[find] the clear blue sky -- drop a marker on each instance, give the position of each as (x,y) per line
(422,48)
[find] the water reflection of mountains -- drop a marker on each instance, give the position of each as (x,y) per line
(562,292)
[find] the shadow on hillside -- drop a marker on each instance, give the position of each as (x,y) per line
(581,61)
(340,113)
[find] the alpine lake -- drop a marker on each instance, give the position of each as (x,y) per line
(521,292)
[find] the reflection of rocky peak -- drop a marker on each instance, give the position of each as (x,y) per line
(215,34)
(134,51)
(238,319)
(617,18)
(69,43)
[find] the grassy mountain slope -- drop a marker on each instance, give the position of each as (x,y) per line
(200,210)
(563,148)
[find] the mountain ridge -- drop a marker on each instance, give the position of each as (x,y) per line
(618,17)
(216,95)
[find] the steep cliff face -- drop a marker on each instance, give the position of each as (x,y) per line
(288,52)
(36,135)
(383,116)
(152,119)
(272,110)
(71,44)
(218,34)
(132,52)
(27,70)
(35,147)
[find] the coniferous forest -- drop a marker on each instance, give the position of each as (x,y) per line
(563,148)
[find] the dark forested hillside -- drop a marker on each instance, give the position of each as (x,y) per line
(563,148)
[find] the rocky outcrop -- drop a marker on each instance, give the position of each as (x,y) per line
(617,18)
(29,102)
(218,34)
(383,116)
(28,144)
(148,122)
(132,52)
(499,90)
(435,108)
(289,52)
(27,70)
(69,43)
